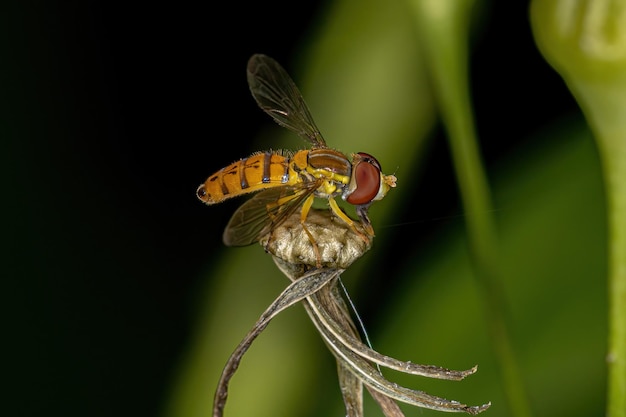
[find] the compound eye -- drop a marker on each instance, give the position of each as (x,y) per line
(365,179)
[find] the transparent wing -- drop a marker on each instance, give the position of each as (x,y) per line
(266,210)
(277,94)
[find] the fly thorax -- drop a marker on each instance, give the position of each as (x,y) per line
(299,161)
(329,164)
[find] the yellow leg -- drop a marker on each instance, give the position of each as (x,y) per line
(339,213)
(303,215)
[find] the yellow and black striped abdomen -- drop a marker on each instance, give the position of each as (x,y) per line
(257,172)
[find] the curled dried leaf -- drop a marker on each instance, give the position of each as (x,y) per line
(338,246)
(328,311)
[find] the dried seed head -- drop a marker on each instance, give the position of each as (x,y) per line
(338,243)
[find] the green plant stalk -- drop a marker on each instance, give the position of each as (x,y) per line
(444,28)
(609,128)
(585,42)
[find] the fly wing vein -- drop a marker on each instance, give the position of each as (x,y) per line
(277,95)
(265,211)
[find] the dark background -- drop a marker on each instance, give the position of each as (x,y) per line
(112,114)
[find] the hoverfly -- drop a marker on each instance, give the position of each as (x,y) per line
(288,181)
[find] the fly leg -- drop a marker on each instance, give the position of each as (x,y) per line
(366,225)
(303,215)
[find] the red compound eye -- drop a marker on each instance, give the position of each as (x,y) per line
(365,180)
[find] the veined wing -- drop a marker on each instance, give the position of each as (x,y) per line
(277,94)
(266,210)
